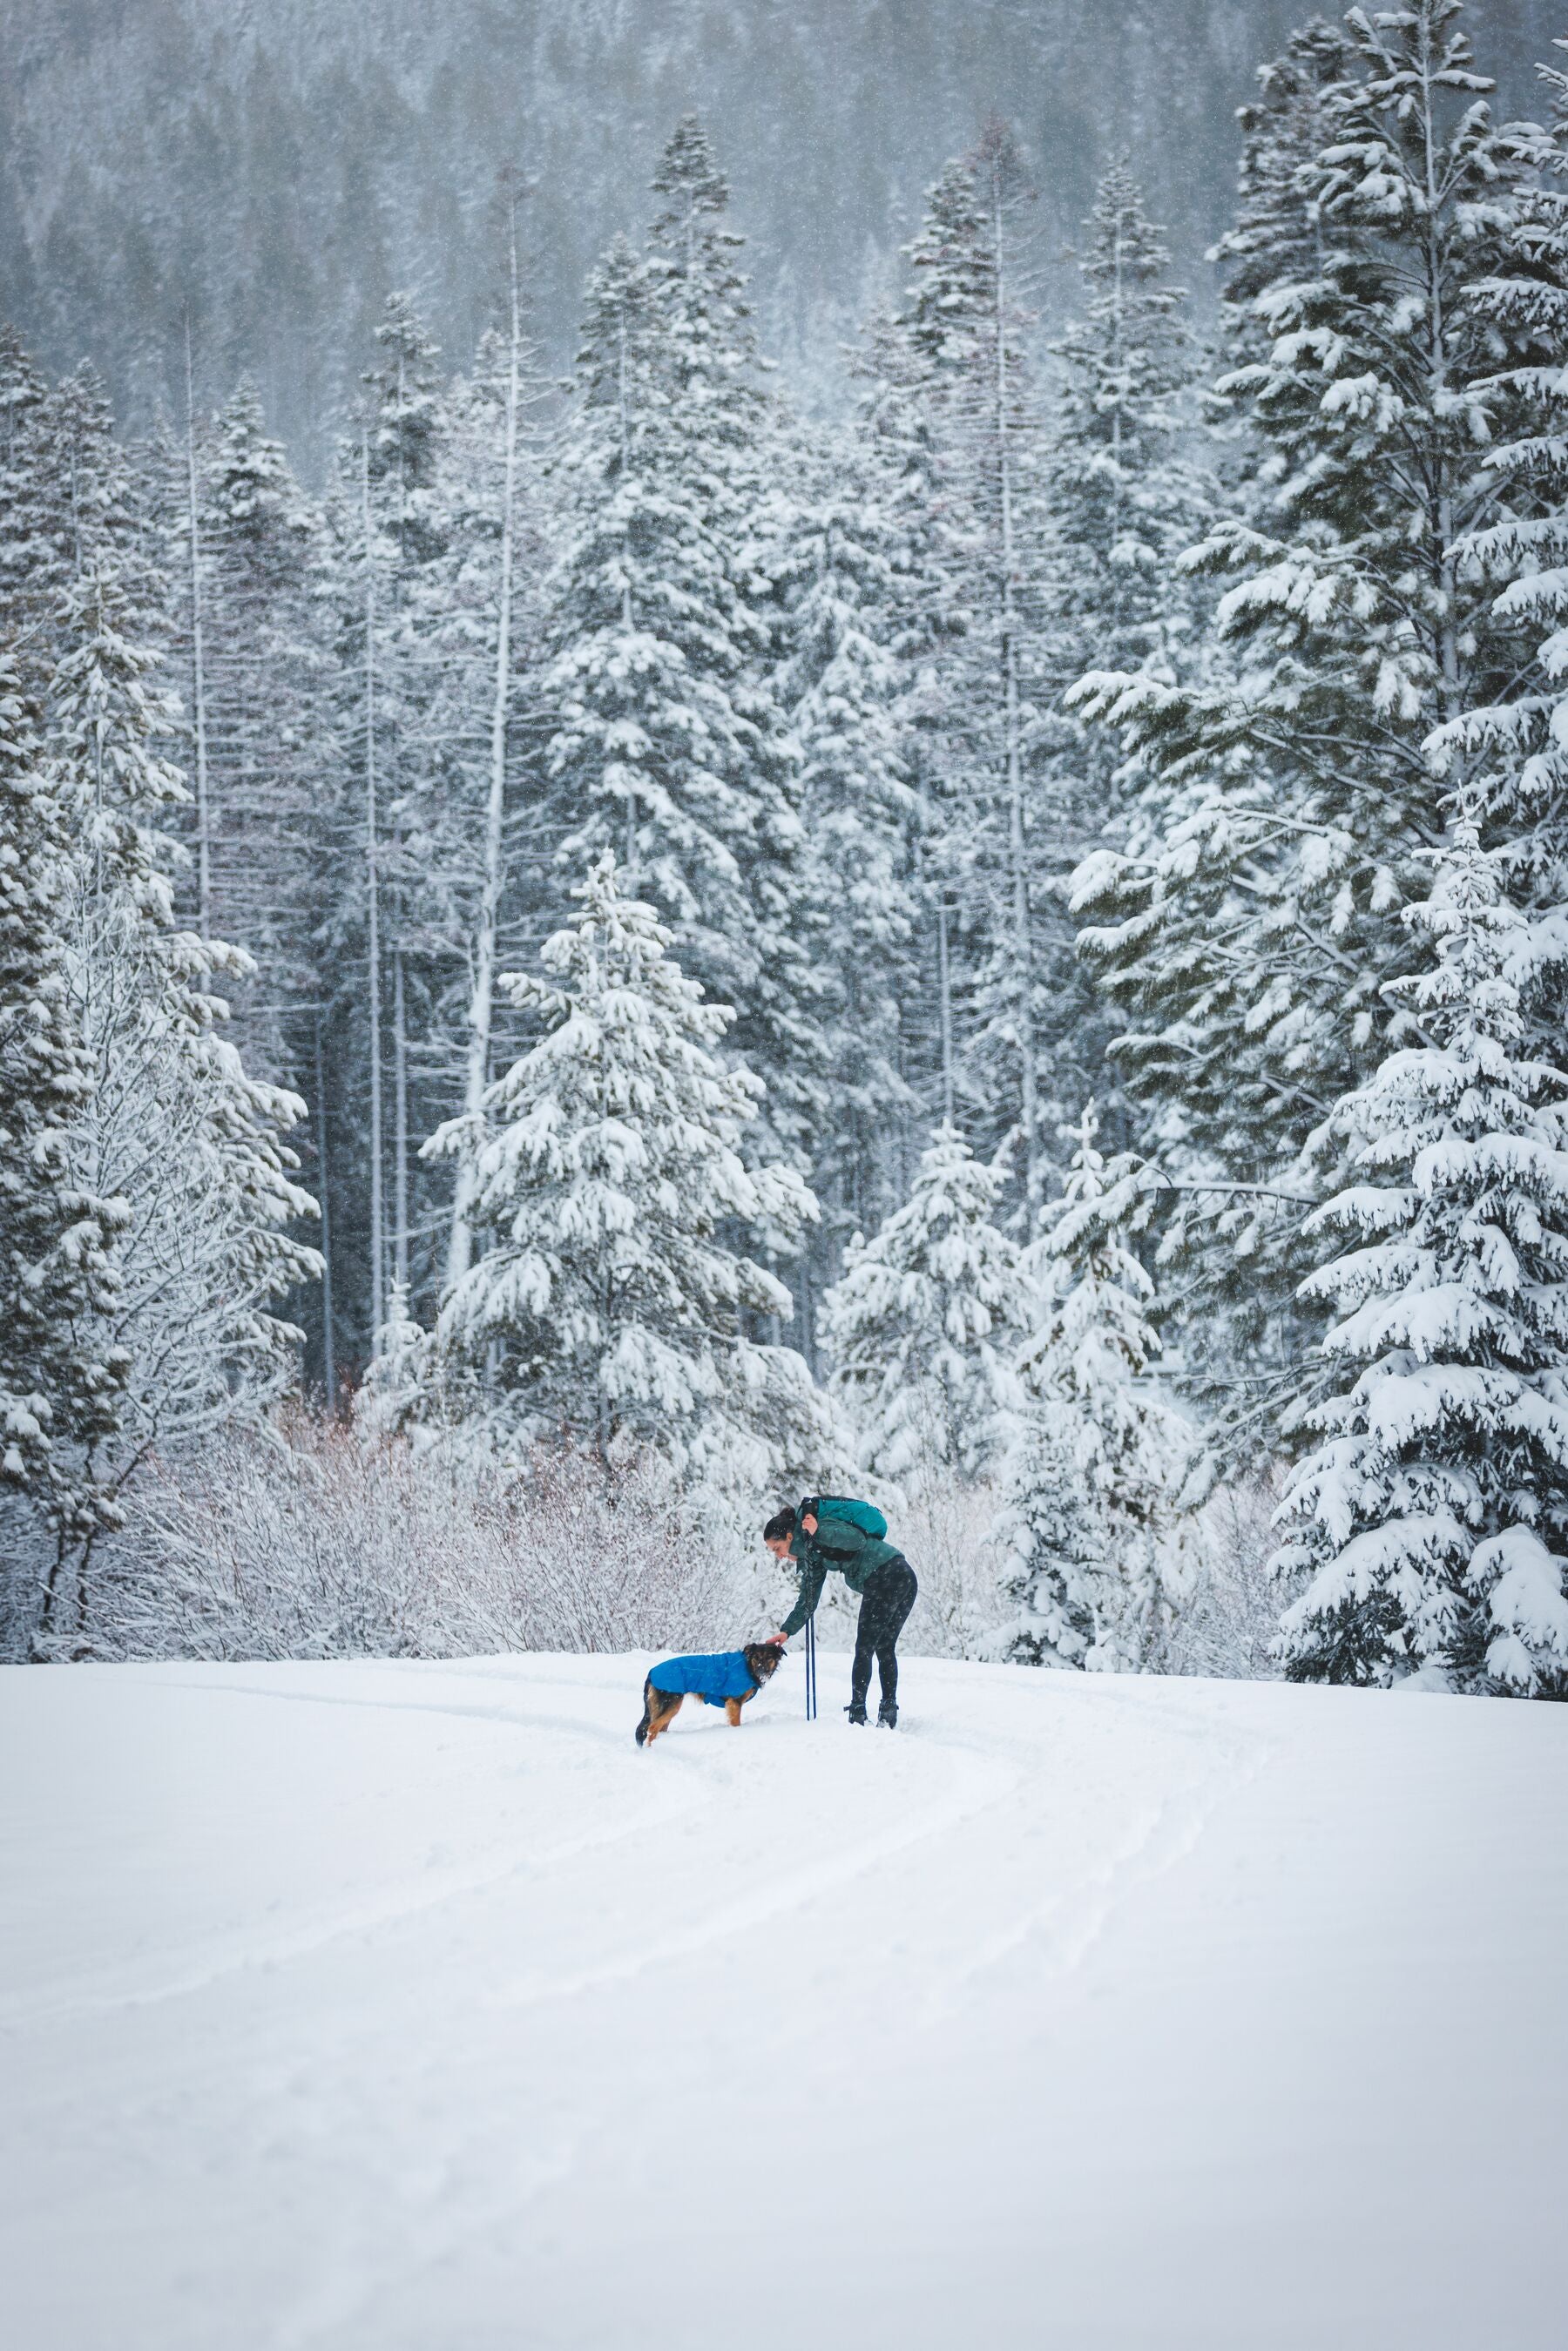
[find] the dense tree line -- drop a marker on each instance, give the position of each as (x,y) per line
(1023,927)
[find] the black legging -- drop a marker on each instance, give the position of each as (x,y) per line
(886,1601)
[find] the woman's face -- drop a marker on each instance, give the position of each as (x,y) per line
(779,1545)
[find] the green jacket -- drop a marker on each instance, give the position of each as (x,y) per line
(837,1543)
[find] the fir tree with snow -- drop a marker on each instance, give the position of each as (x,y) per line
(967,326)
(87,505)
(245,546)
(609,1187)
(1507,754)
(920,1320)
(23,558)
(1250,926)
(1125,502)
(1125,497)
(173,1129)
(1050,1541)
(59,1374)
(1434,1512)
(404,409)
(1093,1464)
(389,578)
(841,683)
(1279,236)
(671,747)
(395,1394)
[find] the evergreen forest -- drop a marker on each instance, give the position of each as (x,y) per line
(633,945)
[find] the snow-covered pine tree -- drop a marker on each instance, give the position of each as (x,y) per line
(59,1380)
(86,498)
(1278,236)
(966,324)
(68,499)
(610,1299)
(1124,499)
(172,1128)
(397,1394)
(382,906)
(898,444)
(1434,1515)
(841,683)
(244,645)
(407,486)
(1050,1542)
(23,557)
(1093,1463)
(404,413)
(918,1326)
(672,747)
(1289,806)
(1507,757)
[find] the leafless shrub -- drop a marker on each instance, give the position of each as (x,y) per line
(944,1530)
(303,1540)
(1229,1619)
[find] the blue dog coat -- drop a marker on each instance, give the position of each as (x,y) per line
(713,1679)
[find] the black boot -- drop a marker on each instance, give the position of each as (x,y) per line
(856,1710)
(887,1715)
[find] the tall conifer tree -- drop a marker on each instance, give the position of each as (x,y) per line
(60,1372)
(672,746)
(1434,1515)
(610,1302)
(1291,802)
(965,324)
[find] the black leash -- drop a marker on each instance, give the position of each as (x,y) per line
(811,1670)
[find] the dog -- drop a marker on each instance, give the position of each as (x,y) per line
(728,1679)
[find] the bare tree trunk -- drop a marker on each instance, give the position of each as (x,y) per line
(944,1007)
(400,1123)
(329,1344)
(373,894)
(481,1005)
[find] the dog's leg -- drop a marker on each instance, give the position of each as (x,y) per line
(641,1731)
(666,1706)
(732,1707)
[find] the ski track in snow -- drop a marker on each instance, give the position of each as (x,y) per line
(276,1952)
(409,2008)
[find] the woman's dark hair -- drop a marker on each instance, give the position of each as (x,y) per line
(780,1524)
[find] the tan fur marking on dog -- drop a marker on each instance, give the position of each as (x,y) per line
(665,1705)
(732,1707)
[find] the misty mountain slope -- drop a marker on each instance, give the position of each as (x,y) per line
(279,169)
(387,2005)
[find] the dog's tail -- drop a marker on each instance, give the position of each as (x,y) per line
(642,1732)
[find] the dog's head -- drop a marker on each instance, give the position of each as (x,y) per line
(763,1659)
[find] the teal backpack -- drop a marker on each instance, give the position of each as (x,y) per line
(864,1515)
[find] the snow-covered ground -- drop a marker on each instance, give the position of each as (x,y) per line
(410,2007)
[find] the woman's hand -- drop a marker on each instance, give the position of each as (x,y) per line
(808,1521)
(775,1640)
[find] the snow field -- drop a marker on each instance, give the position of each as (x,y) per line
(410,2006)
